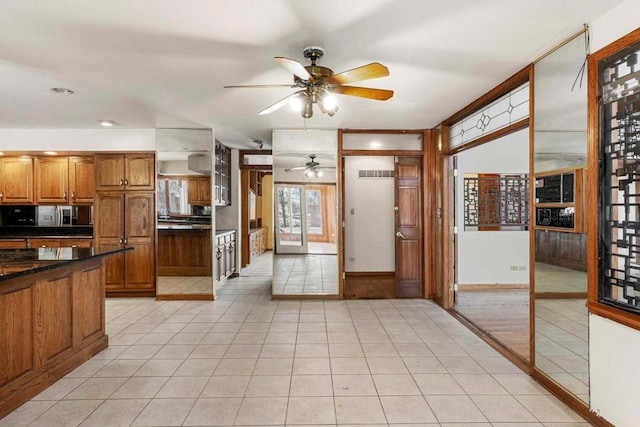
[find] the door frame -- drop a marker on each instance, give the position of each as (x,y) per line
(291,249)
(430,197)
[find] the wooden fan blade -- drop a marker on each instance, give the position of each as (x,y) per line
(258,86)
(297,168)
(363,92)
(279,104)
(294,67)
(366,72)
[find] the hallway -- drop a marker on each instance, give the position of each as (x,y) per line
(247,360)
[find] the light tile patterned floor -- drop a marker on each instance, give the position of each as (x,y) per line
(562,343)
(247,360)
(305,274)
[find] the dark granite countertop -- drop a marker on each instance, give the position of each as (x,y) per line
(182,226)
(34,231)
(42,259)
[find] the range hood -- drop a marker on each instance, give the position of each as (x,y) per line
(200,163)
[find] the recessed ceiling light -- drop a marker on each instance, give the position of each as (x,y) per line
(51,153)
(62,90)
(107,123)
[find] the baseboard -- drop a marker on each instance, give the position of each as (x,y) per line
(184,297)
(492,287)
(561,295)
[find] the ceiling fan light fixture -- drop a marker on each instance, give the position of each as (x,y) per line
(329,102)
(309,173)
(297,103)
(307,112)
(318,173)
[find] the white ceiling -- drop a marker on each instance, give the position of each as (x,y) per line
(163,63)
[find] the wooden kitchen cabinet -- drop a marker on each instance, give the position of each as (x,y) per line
(81,180)
(52,180)
(127,219)
(257,243)
(13,243)
(52,242)
(16,181)
(222,174)
(130,171)
(199,189)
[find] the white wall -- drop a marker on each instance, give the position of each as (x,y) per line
(369,231)
(614,348)
(93,140)
(486,257)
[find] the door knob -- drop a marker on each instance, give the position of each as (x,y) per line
(400,235)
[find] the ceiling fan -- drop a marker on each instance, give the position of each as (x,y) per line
(311,168)
(318,84)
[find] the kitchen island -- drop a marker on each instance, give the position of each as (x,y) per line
(184,249)
(52,308)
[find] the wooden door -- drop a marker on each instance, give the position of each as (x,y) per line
(408,227)
(52,180)
(16,179)
(109,170)
(139,234)
(81,180)
(140,171)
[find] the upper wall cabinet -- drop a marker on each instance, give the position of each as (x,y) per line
(16,181)
(199,190)
(135,171)
(222,174)
(64,180)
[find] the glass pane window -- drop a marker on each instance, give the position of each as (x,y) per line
(504,111)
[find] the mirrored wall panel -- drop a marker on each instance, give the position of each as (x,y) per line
(560,278)
(185,258)
(305,212)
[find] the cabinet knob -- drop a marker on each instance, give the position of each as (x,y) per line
(73,195)
(121,240)
(121,183)
(126,182)
(44,246)
(1,195)
(64,196)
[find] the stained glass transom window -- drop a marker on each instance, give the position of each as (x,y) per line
(496,202)
(619,219)
(510,108)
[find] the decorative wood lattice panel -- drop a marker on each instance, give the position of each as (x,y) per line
(619,216)
(496,202)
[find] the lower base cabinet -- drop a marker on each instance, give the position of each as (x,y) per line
(257,243)
(184,252)
(225,254)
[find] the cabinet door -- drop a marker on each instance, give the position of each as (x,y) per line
(52,180)
(16,180)
(109,217)
(193,191)
(109,235)
(140,269)
(204,189)
(109,170)
(140,171)
(140,217)
(81,180)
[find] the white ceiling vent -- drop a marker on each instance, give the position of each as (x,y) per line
(200,163)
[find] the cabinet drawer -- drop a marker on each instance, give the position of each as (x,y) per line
(43,243)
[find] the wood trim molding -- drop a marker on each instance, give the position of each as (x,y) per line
(560,295)
(507,130)
(184,297)
(511,83)
(593,150)
(569,399)
(492,287)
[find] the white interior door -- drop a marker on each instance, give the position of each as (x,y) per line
(290,219)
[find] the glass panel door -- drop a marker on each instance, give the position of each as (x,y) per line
(291,219)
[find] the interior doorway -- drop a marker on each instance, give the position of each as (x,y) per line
(383,235)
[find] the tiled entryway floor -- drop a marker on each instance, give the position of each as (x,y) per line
(247,360)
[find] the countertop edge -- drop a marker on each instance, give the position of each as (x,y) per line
(60,263)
